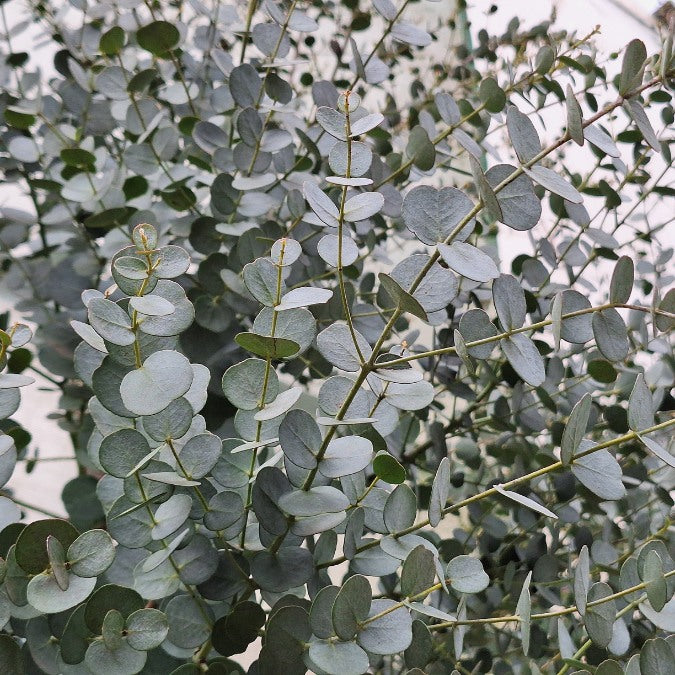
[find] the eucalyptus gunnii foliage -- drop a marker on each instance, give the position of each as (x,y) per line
(321,412)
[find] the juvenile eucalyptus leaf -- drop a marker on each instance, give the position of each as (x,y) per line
(600,473)
(418,572)
(11,381)
(440,489)
(554,183)
(313,502)
(656,656)
(366,123)
(225,514)
(166,375)
(357,156)
(466,574)
(57,559)
(152,305)
(410,396)
(575,429)
(388,634)
(492,95)
(519,205)
(525,501)
(640,405)
(122,451)
(335,255)
(400,509)
(610,334)
(412,35)
(523,134)
(158,37)
(345,456)
(46,596)
(324,209)
(577,329)
(403,299)
(303,297)
(582,580)
(469,261)
(420,149)
(447,108)
(621,284)
(599,618)
(146,629)
(652,575)
(524,611)
(243,384)
(388,469)
(261,279)
(601,140)
(336,345)
(354,532)
(199,455)
(664,322)
(281,404)
(91,554)
(438,288)
(110,321)
(632,66)
(432,215)
(233,632)
(245,85)
(289,568)
(333,122)
(637,112)
(509,301)
(524,356)
(338,657)
(487,194)
(657,450)
(171,515)
(89,335)
(117,661)
(351,606)
(262,345)
(363,206)
(460,631)
(474,326)
(574,117)
(429,610)
(172,422)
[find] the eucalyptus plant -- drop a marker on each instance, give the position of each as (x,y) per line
(323,414)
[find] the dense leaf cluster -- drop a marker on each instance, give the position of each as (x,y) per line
(321,413)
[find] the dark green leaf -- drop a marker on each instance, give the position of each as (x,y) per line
(158,37)
(632,67)
(388,469)
(261,345)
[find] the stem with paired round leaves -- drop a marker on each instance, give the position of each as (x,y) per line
(263,394)
(630,436)
(370,365)
(523,329)
(502,619)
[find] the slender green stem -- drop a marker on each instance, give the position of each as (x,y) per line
(341,222)
(252,6)
(34,507)
(546,615)
(515,331)
(186,474)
